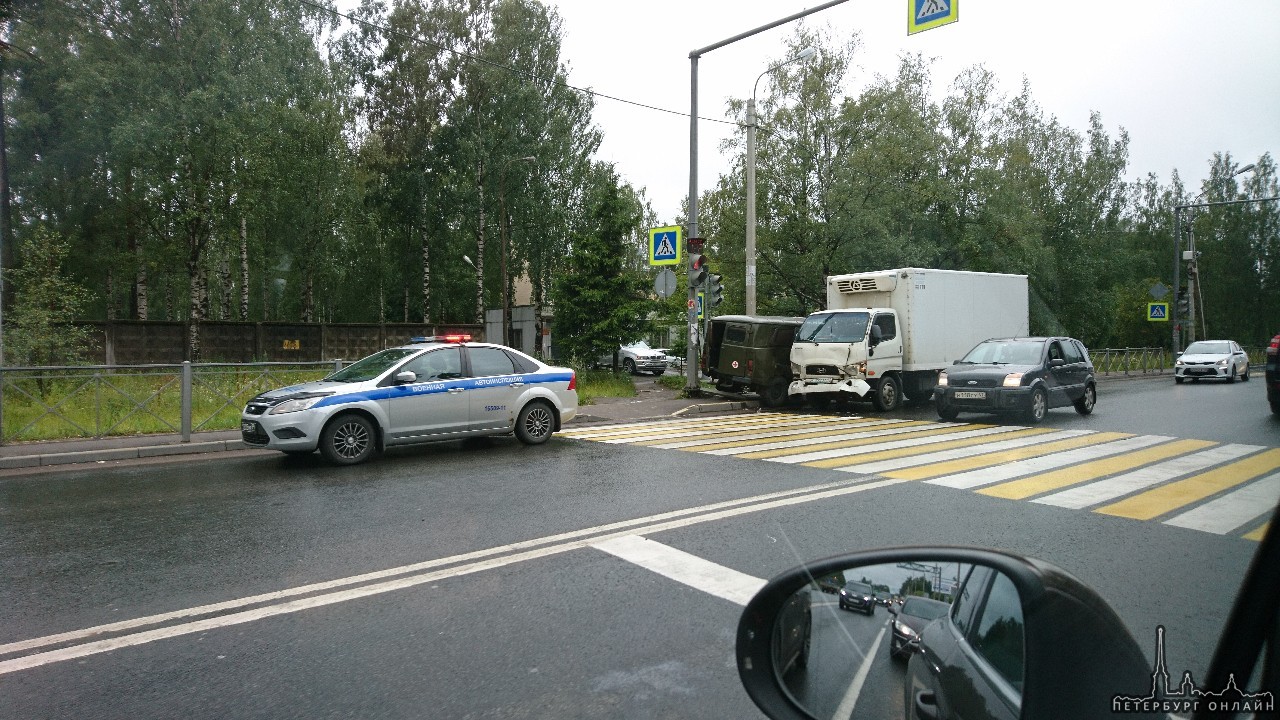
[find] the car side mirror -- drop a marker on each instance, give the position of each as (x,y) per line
(876,335)
(1056,648)
(1057,362)
(406,376)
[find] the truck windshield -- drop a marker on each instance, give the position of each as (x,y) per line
(834,328)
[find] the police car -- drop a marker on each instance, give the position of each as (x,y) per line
(434,388)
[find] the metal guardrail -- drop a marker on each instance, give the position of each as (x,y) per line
(1130,361)
(1158,361)
(96,401)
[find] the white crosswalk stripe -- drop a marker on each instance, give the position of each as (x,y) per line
(1199,485)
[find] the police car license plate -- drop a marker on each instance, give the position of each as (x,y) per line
(970,395)
(246,426)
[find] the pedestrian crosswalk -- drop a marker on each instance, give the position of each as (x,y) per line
(1221,488)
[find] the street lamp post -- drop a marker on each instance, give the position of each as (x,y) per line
(1193,272)
(506,250)
(691,355)
(804,55)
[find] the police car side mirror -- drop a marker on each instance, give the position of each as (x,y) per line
(1063,651)
(406,376)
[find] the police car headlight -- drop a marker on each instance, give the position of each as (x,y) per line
(296,404)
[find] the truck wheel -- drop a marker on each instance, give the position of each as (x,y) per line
(774,394)
(819,402)
(887,394)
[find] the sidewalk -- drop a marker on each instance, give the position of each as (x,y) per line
(652,401)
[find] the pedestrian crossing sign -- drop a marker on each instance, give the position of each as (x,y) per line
(664,245)
(1158,312)
(928,14)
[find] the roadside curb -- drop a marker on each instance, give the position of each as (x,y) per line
(113,454)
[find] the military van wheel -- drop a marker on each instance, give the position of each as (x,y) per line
(774,394)
(887,395)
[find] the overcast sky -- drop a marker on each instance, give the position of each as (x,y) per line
(1185,79)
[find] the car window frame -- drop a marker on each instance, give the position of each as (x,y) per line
(968,646)
(470,368)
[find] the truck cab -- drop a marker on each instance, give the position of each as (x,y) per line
(848,354)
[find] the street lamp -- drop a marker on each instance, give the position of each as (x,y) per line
(502,225)
(1193,271)
(804,55)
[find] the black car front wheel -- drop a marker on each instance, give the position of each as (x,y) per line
(1038,407)
(348,439)
(946,411)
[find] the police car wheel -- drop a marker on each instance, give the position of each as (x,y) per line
(535,423)
(347,440)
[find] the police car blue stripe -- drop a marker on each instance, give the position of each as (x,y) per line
(434,388)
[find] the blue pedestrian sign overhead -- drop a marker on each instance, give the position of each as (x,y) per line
(1158,312)
(928,14)
(664,245)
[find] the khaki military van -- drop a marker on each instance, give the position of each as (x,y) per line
(747,353)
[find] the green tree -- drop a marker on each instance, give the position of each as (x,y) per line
(39,328)
(599,301)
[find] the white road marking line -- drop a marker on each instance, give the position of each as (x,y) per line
(1232,510)
(851,433)
(678,565)
(1101,491)
(893,444)
(695,516)
(1008,471)
(964,452)
(850,699)
(774,433)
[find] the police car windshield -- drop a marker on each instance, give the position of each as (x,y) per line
(372,366)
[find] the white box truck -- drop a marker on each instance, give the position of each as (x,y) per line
(888,333)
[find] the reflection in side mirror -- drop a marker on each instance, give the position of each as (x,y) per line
(971,622)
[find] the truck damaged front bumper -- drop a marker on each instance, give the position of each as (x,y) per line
(853,386)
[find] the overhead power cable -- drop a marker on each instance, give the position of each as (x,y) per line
(506,68)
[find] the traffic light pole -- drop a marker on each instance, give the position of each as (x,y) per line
(691,354)
(1177,258)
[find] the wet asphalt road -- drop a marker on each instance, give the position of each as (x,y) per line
(563,630)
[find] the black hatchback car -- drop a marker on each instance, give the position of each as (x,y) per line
(1026,376)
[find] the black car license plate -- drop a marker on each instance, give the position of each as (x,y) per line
(970,395)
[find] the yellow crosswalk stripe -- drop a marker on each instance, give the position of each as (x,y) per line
(666,427)
(1084,472)
(859,442)
(918,449)
(1259,532)
(1166,498)
(925,472)
(768,433)
(809,434)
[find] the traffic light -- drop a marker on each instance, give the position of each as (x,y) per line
(1184,303)
(715,291)
(697,269)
